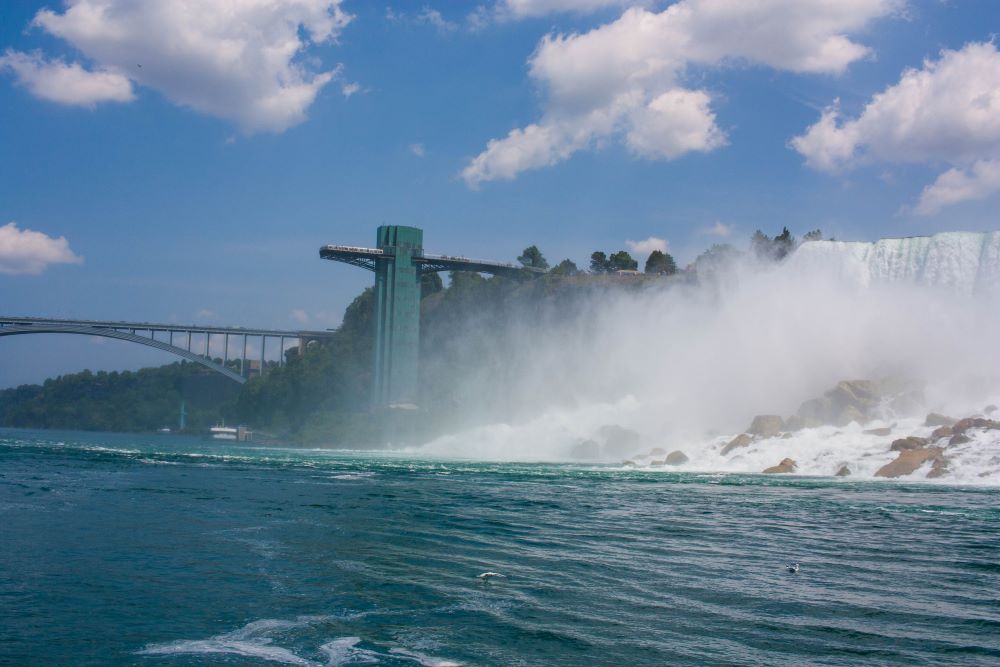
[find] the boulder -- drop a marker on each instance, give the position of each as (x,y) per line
(676,458)
(786,466)
(906,444)
(742,440)
(853,400)
(844,471)
(959,439)
(657,463)
(939,468)
(617,440)
(962,425)
(935,419)
(628,462)
(883,431)
(587,450)
(657,451)
(766,426)
(850,414)
(797,423)
(941,432)
(908,461)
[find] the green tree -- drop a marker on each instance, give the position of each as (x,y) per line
(783,245)
(599,262)
(622,261)
(533,258)
(660,262)
(565,268)
(814,235)
(430,283)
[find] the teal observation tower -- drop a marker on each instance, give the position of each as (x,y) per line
(399,261)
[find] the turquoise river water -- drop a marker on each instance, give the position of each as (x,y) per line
(168,551)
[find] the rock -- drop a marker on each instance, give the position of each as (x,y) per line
(885,430)
(766,426)
(848,415)
(959,439)
(587,450)
(941,432)
(908,461)
(844,471)
(906,444)
(786,466)
(854,400)
(989,409)
(676,458)
(935,419)
(962,425)
(742,440)
(628,462)
(797,423)
(657,451)
(657,463)
(939,468)
(617,440)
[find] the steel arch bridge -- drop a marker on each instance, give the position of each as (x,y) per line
(145,333)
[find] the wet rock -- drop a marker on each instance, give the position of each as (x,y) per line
(676,458)
(797,423)
(586,450)
(935,419)
(628,462)
(905,444)
(885,430)
(786,466)
(742,440)
(939,468)
(853,400)
(908,461)
(766,426)
(657,463)
(844,471)
(963,425)
(941,432)
(959,439)
(657,451)
(850,414)
(617,440)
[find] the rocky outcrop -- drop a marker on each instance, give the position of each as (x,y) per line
(959,439)
(939,468)
(906,444)
(797,423)
(844,471)
(676,458)
(766,426)
(657,463)
(657,451)
(850,400)
(963,425)
(786,466)
(935,419)
(742,440)
(941,432)
(909,460)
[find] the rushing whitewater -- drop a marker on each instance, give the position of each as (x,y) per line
(685,369)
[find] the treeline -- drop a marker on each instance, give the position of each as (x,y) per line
(322,394)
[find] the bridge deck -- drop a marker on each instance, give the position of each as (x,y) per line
(152,326)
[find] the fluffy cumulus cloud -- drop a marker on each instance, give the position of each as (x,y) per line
(647,246)
(31,252)
(948,111)
(519,9)
(626,78)
(240,59)
(719,229)
(66,83)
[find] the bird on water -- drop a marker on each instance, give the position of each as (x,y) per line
(486,576)
(793,567)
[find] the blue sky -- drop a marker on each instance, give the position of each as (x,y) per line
(183,197)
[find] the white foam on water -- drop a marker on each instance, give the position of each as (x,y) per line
(253,640)
(344,651)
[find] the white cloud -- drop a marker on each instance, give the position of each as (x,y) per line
(519,9)
(66,83)
(719,229)
(979,181)
(647,246)
(31,252)
(417,149)
(206,314)
(300,316)
(236,59)
(947,111)
(349,89)
(434,18)
(624,79)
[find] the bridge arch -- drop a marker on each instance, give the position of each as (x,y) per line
(85,330)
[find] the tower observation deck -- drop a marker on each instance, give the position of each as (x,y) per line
(399,261)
